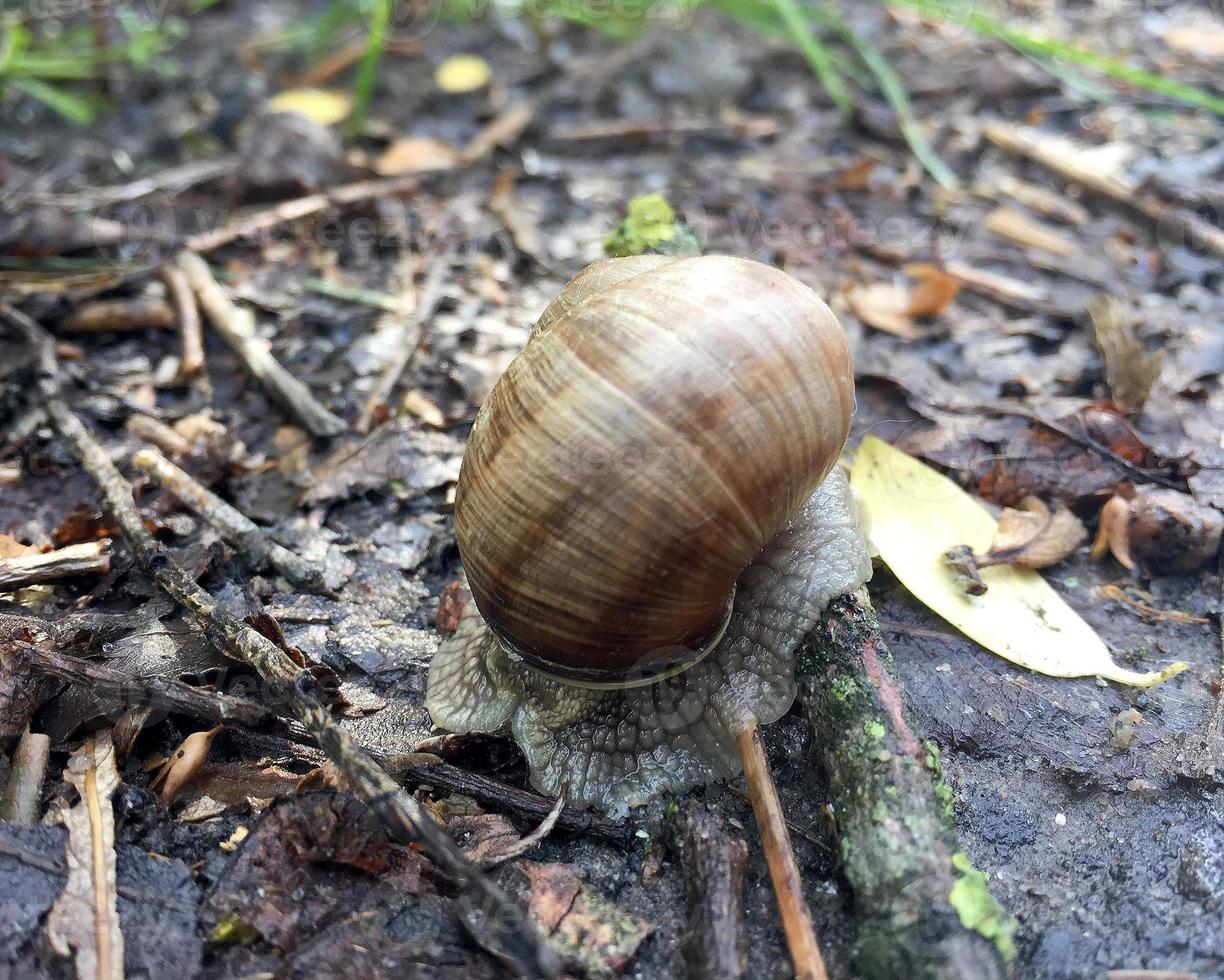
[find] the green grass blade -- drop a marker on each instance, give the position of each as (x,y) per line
(367,72)
(74,108)
(988,26)
(893,90)
(814,50)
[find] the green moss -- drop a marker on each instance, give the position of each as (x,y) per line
(844,687)
(232,930)
(874,730)
(650,225)
(943,792)
(945,798)
(978,910)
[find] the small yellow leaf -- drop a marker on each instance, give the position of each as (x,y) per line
(324,106)
(915,514)
(462,73)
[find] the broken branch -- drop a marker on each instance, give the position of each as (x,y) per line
(87,558)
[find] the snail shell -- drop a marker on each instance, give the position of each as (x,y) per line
(665,421)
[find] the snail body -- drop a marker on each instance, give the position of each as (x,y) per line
(643,517)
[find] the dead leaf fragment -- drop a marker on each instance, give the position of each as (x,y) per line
(415,155)
(584,924)
(84,922)
(1034,536)
(1203,37)
(182,766)
(492,840)
(884,306)
(1026,232)
(1130,370)
(933,292)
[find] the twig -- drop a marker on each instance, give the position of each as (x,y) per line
(1075,167)
(148,429)
(235,527)
(187,313)
(406,346)
(497,795)
(88,558)
(131,313)
(780,856)
(252,225)
(713,861)
(237,326)
(23,792)
(164,693)
(894,820)
(489,914)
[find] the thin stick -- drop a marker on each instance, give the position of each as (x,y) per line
(187,313)
(237,325)
(128,314)
(1073,165)
(131,690)
(235,527)
(489,914)
(780,856)
(23,792)
(88,558)
(412,336)
(262,221)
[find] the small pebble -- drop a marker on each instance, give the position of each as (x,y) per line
(1060,819)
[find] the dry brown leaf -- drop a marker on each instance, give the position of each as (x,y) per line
(1034,536)
(933,290)
(883,306)
(415,155)
(1130,370)
(84,922)
(177,771)
(1018,227)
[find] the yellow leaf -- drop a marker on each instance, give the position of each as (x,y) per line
(324,106)
(915,514)
(462,73)
(414,155)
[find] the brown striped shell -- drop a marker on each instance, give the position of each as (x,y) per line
(666,420)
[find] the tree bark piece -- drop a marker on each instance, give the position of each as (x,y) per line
(234,526)
(88,558)
(131,313)
(713,861)
(237,326)
(898,848)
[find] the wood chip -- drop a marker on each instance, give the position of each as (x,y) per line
(1130,369)
(1019,228)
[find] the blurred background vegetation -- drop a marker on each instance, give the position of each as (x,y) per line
(57,60)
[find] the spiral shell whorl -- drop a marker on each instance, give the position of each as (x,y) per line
(666,420)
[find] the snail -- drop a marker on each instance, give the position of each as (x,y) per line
(650,519)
